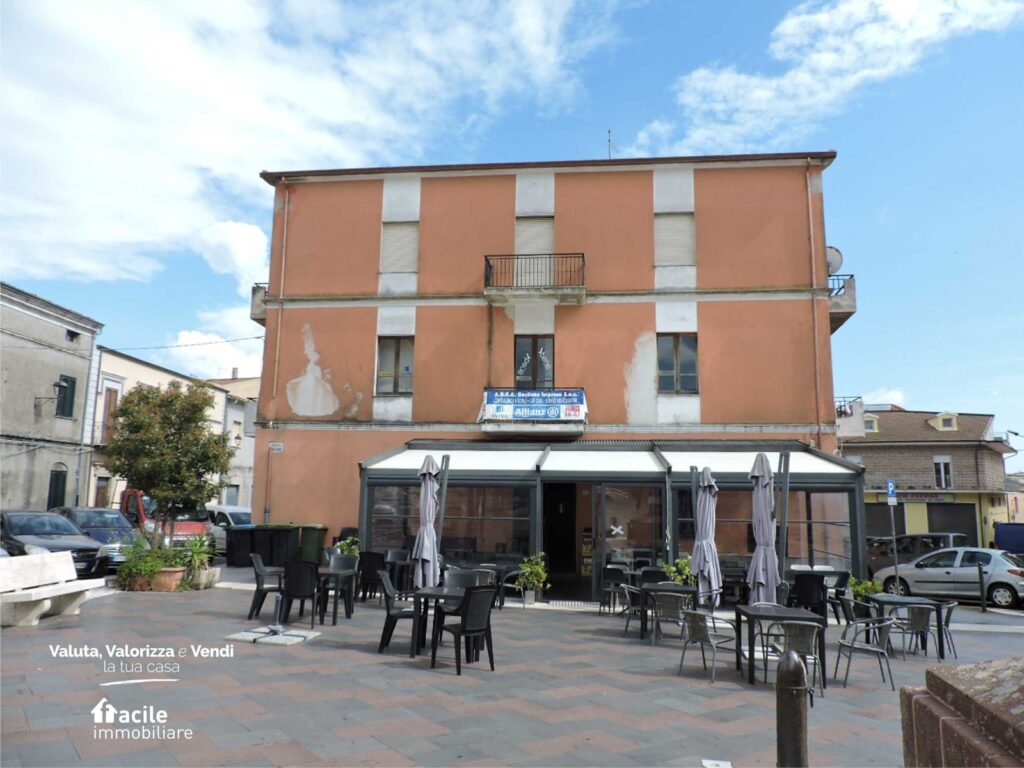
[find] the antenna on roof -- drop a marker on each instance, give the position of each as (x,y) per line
(611,144)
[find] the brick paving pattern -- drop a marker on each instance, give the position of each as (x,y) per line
(569,690)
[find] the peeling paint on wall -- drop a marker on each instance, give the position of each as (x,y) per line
(641,379)
(310,394)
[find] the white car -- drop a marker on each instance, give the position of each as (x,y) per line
(224,516)
(954,573)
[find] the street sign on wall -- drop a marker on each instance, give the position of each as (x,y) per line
(534,405)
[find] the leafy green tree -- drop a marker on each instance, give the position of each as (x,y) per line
(160,442)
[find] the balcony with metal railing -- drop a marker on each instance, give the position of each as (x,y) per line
(558,276)
(842,299)
(258,304)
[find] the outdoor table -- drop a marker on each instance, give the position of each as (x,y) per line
(646,590)
(419,613)
(770,613)
(337,575)
(883,600)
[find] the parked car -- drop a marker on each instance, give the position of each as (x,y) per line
(189,521)
(909,547)
(27,532)
(224,516)
(107,526)
(954,573)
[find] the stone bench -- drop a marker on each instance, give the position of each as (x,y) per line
(32,586)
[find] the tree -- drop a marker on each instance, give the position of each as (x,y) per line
(161,444)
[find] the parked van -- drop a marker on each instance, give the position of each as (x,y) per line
(140,511)
(1010,536)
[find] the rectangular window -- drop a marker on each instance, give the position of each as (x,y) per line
(674,240)
(231,495)
(109,406)
(943,471)
(535,362)
(400,247)
(535,234)
(102,492)
(677,363)
(66,397)
(394,365)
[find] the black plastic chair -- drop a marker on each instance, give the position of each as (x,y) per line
(612,579)
(302,583)
(474,622)
(345,533)
(397,561)
(809,592)
(370,566)
(651,574)
(266,582)
(394,613)
(346,587)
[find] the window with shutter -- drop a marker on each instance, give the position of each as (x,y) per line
(535,237)
(674,240)
(400,247)
(66,397)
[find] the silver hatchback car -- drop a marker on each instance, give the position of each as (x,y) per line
(954,573)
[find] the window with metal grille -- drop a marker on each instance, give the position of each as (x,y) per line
(535,362)
(394,365)
(677,363)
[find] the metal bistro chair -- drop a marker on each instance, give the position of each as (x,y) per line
(612,579)
(266,581)
(947,618)
(802,637)
(393,613)
(508,583)
(835,586)
(700,628)
(764,636)
(857,638)
(916,622)
(631,604)
(474,622)
(668,607)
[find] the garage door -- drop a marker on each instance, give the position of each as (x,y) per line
(876,520)
(954,518)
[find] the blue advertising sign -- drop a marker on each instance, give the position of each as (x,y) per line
(534,405)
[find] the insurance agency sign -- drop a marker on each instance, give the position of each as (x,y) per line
(534,405)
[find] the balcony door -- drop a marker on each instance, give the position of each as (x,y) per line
(535,242)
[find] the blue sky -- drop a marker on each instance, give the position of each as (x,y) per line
(134,134)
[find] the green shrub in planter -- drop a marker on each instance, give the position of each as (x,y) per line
(681,572)
(862,590)
(349,546)
(533,573)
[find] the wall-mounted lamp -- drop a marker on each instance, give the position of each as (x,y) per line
(58,386)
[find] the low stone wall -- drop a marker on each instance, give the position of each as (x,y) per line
(965,715)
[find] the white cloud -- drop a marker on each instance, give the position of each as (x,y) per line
(206,356)
(129,127)
(232,248)
(882,395)
(829,51)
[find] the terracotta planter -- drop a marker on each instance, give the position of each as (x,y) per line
(138,584)
(168,579)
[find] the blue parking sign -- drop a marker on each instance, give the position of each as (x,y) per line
(890,488)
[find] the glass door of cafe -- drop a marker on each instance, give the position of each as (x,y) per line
(630,520)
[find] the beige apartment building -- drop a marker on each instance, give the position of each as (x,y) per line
(576,336)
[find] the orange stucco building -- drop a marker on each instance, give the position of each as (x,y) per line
(492,311)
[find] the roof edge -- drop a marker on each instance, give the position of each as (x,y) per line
(825,158)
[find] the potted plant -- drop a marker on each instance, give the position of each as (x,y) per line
(533,575)
(140,565)
(861,591)
(169,575)
(349,546)
(196,555)
(681,572)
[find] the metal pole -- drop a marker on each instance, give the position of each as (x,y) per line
(784,517)
(791,712)
(895,554)
(441,494)
(981,588)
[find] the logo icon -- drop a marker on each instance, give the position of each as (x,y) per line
(104,713)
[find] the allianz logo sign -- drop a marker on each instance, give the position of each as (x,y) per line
(145,722)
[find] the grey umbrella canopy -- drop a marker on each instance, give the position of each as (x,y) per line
(426,567)
(763,576)
(705,553)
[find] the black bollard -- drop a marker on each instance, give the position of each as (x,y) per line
(791,712)
(981,587)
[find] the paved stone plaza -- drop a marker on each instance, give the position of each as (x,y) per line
(569,690)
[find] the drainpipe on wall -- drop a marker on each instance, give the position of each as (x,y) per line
(280,296)
(814,302)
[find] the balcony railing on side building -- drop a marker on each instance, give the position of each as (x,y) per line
(534,270)
(845,406)
(837,284)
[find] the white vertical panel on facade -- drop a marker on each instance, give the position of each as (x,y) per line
(674,240)
(535,194)
(396,321)
(675,316)
(399,247)
(401,199)
(673,190)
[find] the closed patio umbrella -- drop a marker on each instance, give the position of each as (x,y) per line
(705,553)
(763,576)
(426,568)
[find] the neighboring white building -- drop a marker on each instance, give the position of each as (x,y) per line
(47,365)
(244,394)
(118,373)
